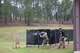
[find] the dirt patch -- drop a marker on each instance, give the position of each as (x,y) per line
(55,47)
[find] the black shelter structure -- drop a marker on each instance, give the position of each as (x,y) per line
(33,37)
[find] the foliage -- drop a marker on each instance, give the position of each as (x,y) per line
(46,10)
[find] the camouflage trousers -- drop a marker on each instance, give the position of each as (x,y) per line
(45,41)
(62,42)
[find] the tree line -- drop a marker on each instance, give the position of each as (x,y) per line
(35,10)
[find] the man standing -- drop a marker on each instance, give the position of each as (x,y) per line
(61,39)
(45,38)
(17,41)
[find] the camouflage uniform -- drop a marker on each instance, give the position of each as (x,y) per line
(62,40)
(17,41)
(45,38)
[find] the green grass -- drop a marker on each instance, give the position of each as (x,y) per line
(6,48)
(6,41)
(34,50)
(40,50)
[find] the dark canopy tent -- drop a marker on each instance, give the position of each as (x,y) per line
(33,38)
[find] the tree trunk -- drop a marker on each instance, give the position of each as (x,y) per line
(28,22)
(5,21)
(20,18)
(0,9)
(25,20)
(56,17)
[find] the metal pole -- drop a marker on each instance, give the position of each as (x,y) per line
(38,40)
(55,37)
(68,36)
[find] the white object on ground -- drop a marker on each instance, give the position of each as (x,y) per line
(76,51)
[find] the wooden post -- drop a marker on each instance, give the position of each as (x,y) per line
(76,21)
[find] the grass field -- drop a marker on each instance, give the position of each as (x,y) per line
(6,41)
